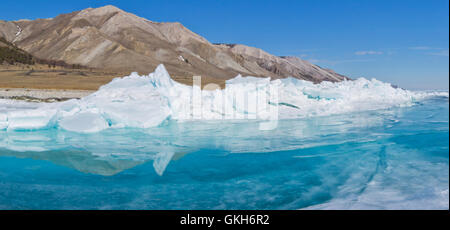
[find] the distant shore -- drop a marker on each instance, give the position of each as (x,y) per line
(44,77)
(42,95)
(41,83)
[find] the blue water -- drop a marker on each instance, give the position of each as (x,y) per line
(387,159)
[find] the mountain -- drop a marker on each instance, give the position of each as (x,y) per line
(110,38)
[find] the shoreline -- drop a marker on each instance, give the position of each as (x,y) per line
(42,95)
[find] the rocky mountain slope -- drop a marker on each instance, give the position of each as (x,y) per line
(108,37)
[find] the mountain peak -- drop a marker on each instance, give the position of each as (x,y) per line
(108,9)
(104,10)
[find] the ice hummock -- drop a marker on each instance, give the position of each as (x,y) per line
(147,101)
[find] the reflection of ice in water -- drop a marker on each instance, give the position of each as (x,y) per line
(106,153)
(161,161)
(161,144)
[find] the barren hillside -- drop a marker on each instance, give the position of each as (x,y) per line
(110,38)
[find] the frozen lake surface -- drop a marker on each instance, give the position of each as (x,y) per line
(385,159)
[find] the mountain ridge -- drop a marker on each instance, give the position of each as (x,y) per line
(108,37)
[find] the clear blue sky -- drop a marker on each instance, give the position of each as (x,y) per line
(405,42)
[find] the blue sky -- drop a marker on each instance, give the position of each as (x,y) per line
(405,42)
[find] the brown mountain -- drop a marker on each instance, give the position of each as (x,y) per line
(110,38)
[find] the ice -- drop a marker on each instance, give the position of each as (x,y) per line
(161,161)
(147,101)
(29,119)
(84,122)
(3,121)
